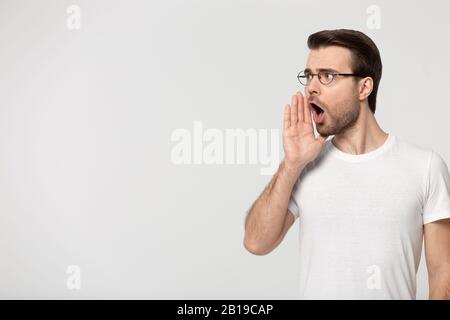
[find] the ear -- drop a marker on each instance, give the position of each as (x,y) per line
(365,87)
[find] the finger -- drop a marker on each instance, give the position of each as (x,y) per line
(287,117)
(294,110)
(300,106)
(308,118)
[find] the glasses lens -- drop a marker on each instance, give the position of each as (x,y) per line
(326,77)
(302,78)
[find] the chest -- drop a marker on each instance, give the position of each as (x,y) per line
(361,196)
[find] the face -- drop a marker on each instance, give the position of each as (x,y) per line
(340,98)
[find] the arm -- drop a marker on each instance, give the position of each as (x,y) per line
(268,220)
(437,253)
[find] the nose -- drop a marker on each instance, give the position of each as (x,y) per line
(314,86)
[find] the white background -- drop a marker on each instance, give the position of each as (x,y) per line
(86,118)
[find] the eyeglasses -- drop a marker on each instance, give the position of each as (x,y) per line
(325,77)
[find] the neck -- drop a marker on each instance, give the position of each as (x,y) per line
(365,136)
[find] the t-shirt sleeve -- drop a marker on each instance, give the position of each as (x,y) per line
(437,194)
(293,205)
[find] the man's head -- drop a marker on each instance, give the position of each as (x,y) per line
(348,52)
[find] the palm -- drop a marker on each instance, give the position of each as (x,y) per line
(300,144)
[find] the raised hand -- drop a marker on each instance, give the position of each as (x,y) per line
(300,144)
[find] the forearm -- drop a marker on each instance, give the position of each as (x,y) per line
(265,219)
(439,286)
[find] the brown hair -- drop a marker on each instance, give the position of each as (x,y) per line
(366,58)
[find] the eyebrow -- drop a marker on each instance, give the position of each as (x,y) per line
(321,69)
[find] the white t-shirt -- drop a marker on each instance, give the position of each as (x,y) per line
(361,219)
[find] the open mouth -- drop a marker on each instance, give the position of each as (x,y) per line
(318,113)
(317,108)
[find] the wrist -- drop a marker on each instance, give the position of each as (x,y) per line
(292,169)
(293,166)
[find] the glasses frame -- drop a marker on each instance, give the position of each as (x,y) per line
(328,72)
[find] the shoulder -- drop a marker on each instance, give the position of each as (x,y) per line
(405,147)
(421,158)
(412,155)
(430,155)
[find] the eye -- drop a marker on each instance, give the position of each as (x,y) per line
(326,77)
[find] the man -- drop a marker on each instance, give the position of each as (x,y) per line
(365,199)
